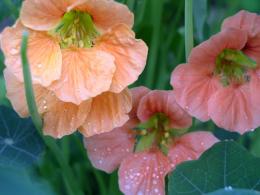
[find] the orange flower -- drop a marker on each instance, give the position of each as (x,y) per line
(78,49)
(93,116)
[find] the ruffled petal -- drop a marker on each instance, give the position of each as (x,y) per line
(86,73)
(130,55)
(190,146)
(144,173)
(16,94)
(106,151)
(108,111)
(137,94)
(230,108)
(43,15)
(64,118)
(206,53)
(159,101)
(193,87)
(44,54)
(105,13)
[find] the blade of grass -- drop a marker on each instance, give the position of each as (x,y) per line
(189,42)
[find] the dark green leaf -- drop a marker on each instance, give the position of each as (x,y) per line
(226,165)
(229,191)
(20,144)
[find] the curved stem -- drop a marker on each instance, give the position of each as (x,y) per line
(188,27)
(69,180)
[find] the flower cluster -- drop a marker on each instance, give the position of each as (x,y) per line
(82,55)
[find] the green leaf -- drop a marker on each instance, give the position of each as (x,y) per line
(18,181)
(145,142)
(226,165)
(20,144)
(229,191)
(200,16)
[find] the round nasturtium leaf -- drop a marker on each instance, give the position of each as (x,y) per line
(229,191)
(20,143)
(227,165)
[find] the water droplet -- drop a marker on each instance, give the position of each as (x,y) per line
(202,143)
(9,141)
(228,188)
(45,107)
(127,187)
(100,162)
(109,149)
(39,65)
(14,51)
(154,182)
(95,149)
(140,193)
(156,190)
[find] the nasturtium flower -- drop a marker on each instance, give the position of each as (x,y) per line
(143,171)
(221,79)
(96,115)
(78,49)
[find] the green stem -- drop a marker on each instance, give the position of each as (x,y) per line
(189,42)
(70,181)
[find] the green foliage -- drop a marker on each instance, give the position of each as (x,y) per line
(20,144)
(226,165)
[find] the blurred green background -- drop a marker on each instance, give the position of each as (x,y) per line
(160,23)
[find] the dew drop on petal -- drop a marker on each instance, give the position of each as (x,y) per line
(39,65)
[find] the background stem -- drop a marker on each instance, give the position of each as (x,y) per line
(189,42)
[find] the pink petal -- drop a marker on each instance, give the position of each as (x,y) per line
(205,54)
(159,101)
(190,146)
(144,173)
(137,94)
(231,108)
(106,151)
(193,86)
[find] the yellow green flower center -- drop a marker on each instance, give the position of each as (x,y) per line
(76,29)
(156,132)
(232,67)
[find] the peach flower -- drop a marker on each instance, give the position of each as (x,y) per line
(143,172)
(97,115)
(221,79)
(78,49)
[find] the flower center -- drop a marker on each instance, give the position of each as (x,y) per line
(75,29)
(232,67)
(155,132)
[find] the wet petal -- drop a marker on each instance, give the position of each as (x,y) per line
(190,146)
(44,54)
(144,173)
(137,94)
(86,73)
(16,94)
(64,118)
(193,87)
(43,15)
(130,55)
(105,13)
(230,108)
(108,111)
(107,150)
(159,101)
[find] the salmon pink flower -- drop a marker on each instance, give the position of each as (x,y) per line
(96,115)
(143,172)
(78,49)
(221,79)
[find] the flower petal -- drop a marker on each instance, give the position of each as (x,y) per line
(86,73)
(144,173)
(64,118)
(107,150)
(105,13)
(43,15)
(137,94)
(108,111)
(230,108)
(207,52)
(190,146)
(159,101)
(193,87)
(44,54)
(16,94)
(130,55)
